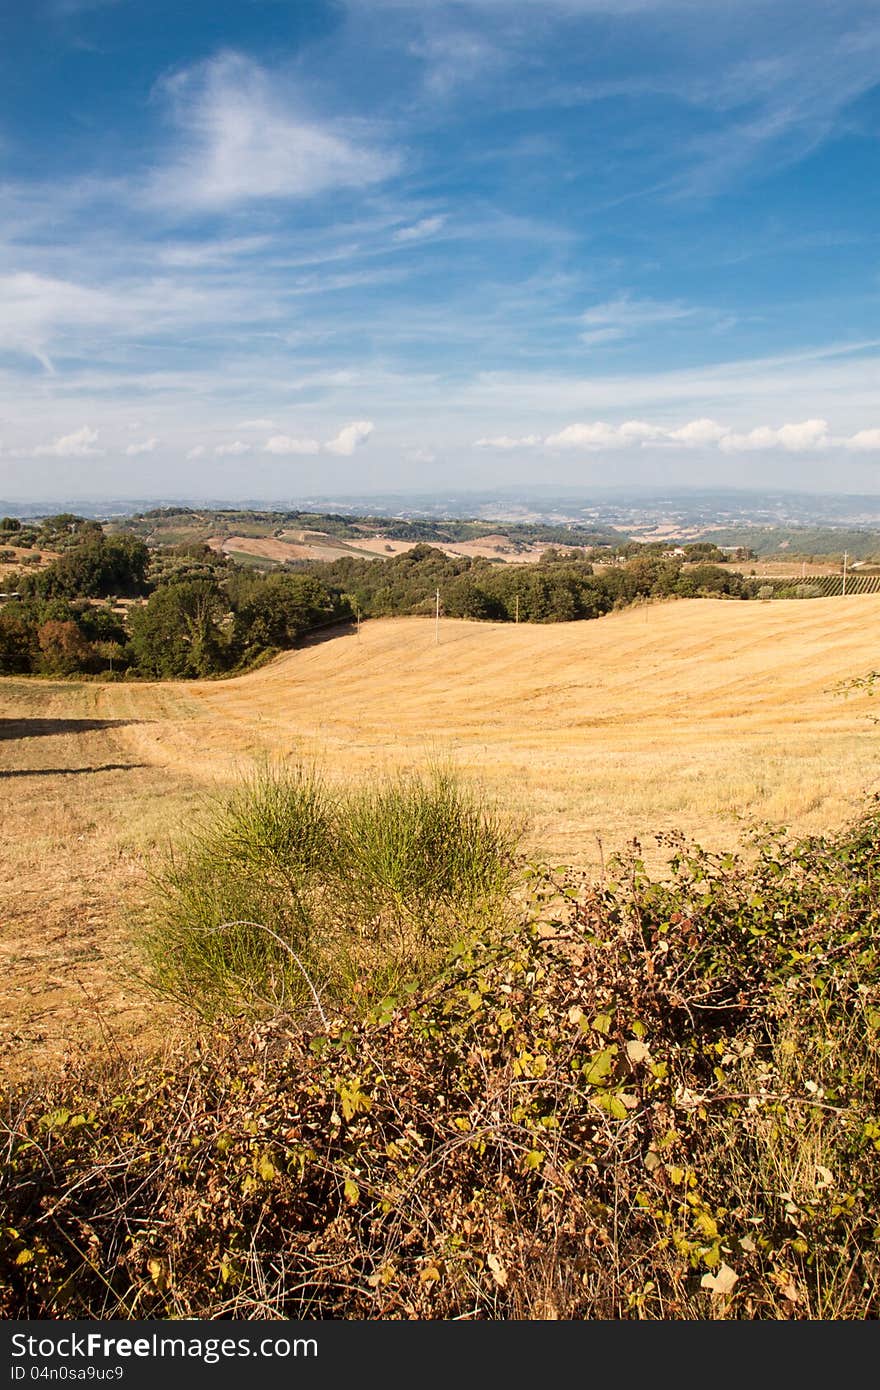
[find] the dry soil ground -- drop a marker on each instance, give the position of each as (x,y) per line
(704,716)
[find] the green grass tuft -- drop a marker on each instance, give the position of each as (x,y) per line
(282,888)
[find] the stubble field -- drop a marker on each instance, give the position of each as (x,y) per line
(702,716)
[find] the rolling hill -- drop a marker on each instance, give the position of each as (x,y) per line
(702,716)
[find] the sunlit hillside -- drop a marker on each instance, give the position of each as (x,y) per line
(699,715)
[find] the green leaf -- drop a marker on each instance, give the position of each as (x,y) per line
(611,1104)
(266,1168)
(597,1071)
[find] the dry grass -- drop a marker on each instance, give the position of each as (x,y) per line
(22,556)
(703,716)
(80,818)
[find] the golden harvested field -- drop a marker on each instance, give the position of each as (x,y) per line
(698,715)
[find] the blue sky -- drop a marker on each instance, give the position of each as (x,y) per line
(269,248)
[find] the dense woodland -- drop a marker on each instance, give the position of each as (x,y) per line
(558,589)
(186,611)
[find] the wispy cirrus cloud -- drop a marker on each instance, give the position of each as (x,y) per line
(419,231)
(624,317)
(506,441)
(239,138)
(47,317)
(285,444)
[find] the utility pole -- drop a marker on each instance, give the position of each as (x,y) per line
(437,620)
(843,591)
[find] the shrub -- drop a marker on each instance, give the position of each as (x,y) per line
(420,859)
(240,893)
(281,884)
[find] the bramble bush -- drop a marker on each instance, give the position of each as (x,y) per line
(652,1099)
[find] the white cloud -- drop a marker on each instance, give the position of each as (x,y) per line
(284,444)
(597,435)
(804,436)
(350,437)
(797,438)
(699,433)
(864,439)
(809,434)
(146,446)
(423,456)
(506,441)
(417,231)
(639,431)
(42,315)
(77,445)
(196,452)
(243,139)
(230,450)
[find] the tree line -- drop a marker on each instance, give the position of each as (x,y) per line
(189,611)
(557,589)
(109,604)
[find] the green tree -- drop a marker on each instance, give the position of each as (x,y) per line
(177,632)
(17,643)
(95,567)
(277,609)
